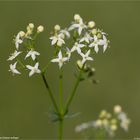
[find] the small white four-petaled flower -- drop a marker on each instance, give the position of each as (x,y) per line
(79,26)
(95,44)
(58,39)
(77,47)
(60,60)
(34,69)
(87,38)
(86,57)
(33,54)
(14,55)
(13,68)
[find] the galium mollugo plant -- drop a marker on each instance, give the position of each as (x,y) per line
(107,124)
(80,38)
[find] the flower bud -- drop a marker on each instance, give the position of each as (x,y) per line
(105,122)
(31,25)
(94,31)
(99,35)
(103,114)
(21,34)
(40,29)
(99,123)
(91,24)
(59,43)
(77,17)
(113,121)
(79,64)
(113,127)
(117,109)
(57,28)
(29,32)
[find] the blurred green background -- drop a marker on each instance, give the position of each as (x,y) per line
(23,103)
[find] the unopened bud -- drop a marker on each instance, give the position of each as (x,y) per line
(91,24)
(94,31)
(113,127)
(99,123)
(31,25)
(117,109)
(59,43)
(57,28)
(40,29)
(99,35)
(103,114)
(113,121)
(21,34)
(77,17)
(79,64)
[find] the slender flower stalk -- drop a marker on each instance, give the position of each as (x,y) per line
(70,99)
(50,92)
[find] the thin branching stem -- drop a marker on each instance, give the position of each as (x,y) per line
(61,92)
(73,92)
(61,105)
(50,92)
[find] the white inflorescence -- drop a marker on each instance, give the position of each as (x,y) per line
(84,39)
(81,38)
(107,121)
(24,41)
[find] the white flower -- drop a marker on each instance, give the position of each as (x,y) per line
(77,47)
(59,39)
(33,69)
(60,60)
(14,55)
(86,57)
(104,42)
(13,68)
(95,44)
(87,38)
(33,54)
(82,127)
(80,26)
(65,32)
(125,121)
(18,41)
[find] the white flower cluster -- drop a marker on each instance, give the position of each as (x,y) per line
(107,121)
(84,40)
(25,41)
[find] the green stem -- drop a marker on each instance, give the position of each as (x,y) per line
(61,129)
(73,92)
(61,91)
(20,63)
(61,105)
(50,92)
